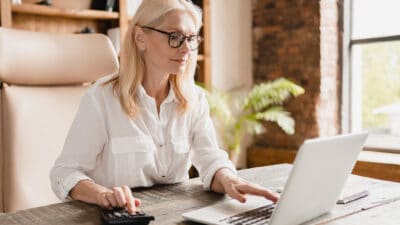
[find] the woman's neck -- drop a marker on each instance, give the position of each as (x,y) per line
(157,86)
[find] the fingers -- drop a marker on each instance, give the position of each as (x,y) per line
(130,200)
(104,202)
(234,193)
(237,188)
(257,190)
(119,197)
(112,202)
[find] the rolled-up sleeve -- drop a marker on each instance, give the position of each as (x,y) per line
(85,140)
(206,156)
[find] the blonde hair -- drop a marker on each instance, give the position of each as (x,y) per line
(132,68)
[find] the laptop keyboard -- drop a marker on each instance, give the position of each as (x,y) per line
(254,217)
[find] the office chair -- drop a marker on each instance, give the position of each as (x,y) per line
(43,77)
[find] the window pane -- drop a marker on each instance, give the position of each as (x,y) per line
(376,83)
(374,18)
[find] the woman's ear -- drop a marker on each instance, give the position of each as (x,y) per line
(139,38)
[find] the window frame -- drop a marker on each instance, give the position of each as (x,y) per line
(349,111)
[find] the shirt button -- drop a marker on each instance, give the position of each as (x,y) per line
(161,145)
(163,176)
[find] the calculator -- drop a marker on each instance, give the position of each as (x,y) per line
(119,216)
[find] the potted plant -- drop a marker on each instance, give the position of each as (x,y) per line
(236,114)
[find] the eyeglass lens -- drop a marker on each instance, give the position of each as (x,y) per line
(176,39)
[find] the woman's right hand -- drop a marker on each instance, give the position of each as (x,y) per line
(118,197)
(90,192)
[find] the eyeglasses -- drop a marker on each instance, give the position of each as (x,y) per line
(176,39)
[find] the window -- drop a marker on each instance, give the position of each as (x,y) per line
(372,86)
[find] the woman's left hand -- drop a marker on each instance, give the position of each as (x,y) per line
(227,182)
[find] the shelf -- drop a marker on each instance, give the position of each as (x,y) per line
(67,13)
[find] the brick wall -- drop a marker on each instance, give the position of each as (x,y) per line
(298,39)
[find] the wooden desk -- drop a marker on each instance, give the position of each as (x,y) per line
(168,202)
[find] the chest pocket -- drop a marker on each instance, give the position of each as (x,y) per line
(131,155)
(180,145)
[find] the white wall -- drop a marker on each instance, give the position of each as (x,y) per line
(231,48)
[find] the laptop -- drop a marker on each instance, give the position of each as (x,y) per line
(315,182)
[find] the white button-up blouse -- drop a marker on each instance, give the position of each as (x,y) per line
(108,147)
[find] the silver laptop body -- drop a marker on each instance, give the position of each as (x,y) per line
(316,180)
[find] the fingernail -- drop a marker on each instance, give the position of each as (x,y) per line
(137,202)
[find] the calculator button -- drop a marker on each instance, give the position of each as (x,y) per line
(117,214)
(123,217)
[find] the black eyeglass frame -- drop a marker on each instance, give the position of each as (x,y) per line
(198,37)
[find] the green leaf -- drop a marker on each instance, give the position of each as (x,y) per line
(254,126)
(278,115)
(236,113)
(218,102)
(271,93)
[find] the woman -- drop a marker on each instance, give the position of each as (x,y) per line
(146,124)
